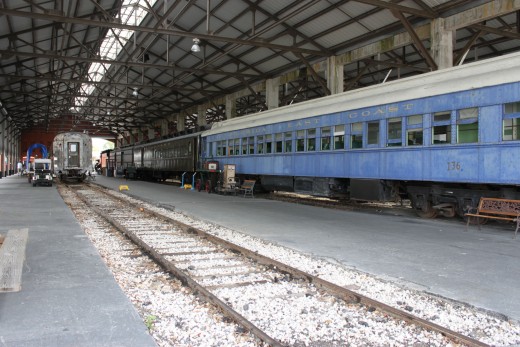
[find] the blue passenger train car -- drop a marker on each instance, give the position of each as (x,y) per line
(442,139)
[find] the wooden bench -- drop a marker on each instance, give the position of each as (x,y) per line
(247,188)
(499,209)
(12,256)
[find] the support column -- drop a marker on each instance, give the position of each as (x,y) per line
(181,123)
(272,92)
(201,116)
(2,137)
(11,152)
(334,76)
(8,150)
(231,106)
(441,44)
(3,142)
(140,135)
(164,127)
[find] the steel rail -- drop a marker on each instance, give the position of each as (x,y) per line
(342,293)
(181,275)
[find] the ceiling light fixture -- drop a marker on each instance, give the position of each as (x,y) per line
(196,46)
(135,93)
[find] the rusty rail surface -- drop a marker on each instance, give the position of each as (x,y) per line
(342,293)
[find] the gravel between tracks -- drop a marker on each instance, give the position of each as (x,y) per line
(177,320)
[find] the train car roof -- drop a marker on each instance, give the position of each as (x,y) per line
(160,141)
(475,75)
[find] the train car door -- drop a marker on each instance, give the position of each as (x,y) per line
(73,150)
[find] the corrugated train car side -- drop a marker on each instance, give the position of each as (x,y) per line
(160,160)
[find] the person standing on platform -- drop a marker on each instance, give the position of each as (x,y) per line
(19,168)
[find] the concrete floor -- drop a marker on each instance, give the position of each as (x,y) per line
(68,296)
(479,267)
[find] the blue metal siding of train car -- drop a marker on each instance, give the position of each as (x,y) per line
(488,161)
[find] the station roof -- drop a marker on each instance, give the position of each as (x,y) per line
(120,65)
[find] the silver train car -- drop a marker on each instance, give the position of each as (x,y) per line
(72,156)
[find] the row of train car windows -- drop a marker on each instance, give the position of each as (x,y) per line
(367,134)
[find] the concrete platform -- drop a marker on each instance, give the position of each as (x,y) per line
(68,296)
(481,268)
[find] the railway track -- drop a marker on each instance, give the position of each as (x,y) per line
(221,272)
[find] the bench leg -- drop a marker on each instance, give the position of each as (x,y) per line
(467,223)
(517,226)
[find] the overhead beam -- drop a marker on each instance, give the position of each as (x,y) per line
(510,34)
(481,13)
(116,24)
(120,63)
(415,38)
(17,78)
(400,8)
(314,74)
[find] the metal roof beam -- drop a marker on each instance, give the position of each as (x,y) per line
(417,41)
(400,8)
(115,24)
(120,63)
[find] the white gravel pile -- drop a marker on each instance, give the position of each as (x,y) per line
(173,314)
(179,320)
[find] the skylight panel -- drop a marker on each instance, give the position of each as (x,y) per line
(132,13)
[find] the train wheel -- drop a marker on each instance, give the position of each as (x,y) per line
(427,211)
(449,213)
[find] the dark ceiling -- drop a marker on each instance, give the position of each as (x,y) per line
(47,48)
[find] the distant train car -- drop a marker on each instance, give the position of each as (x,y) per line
(442,139)
(72,156)
(159,160)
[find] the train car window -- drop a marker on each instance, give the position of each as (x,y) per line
(236,147)
(339,137)
(300,141)
(441,130)
(373,133)
(251,145)
(356,135)
(512,107)
(269,144)
(414,137)
(288,142)
(395,132)
(511,124)
(511,129)
(467,125)
(311,139)
(244,146)
(278,139)
(229,148)
(221,148)
(325,138)
(260,144)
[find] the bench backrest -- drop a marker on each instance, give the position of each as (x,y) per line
(499,206)
(248,184)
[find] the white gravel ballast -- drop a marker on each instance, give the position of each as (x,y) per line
(177,318)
